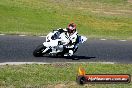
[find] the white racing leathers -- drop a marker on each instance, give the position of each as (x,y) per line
(67,40)
(72,43)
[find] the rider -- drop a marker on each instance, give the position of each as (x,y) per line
(72,34)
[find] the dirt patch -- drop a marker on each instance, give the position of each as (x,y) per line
(106,12)
(60,86)
(129,1)
(73,85)
(112,12)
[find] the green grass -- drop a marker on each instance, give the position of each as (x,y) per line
(53,75)
(94,18)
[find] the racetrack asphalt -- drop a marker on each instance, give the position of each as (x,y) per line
(14,48)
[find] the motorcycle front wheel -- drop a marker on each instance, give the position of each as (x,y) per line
(38,51)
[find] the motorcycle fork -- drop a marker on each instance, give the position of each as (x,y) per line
(45,50)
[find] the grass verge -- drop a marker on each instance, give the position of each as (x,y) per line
(94,18)
(61,75)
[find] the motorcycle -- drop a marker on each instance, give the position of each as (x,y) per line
(56,45)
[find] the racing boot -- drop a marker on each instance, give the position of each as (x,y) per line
(70,53)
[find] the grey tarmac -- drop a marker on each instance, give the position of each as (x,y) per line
(14,48)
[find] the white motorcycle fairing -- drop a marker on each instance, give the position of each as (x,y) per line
(57,44)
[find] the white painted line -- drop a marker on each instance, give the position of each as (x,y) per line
(22,35)
(104,62)
(93,62)
(103,39)
(2,34)
(21,63)
(123,40)
(42,36)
